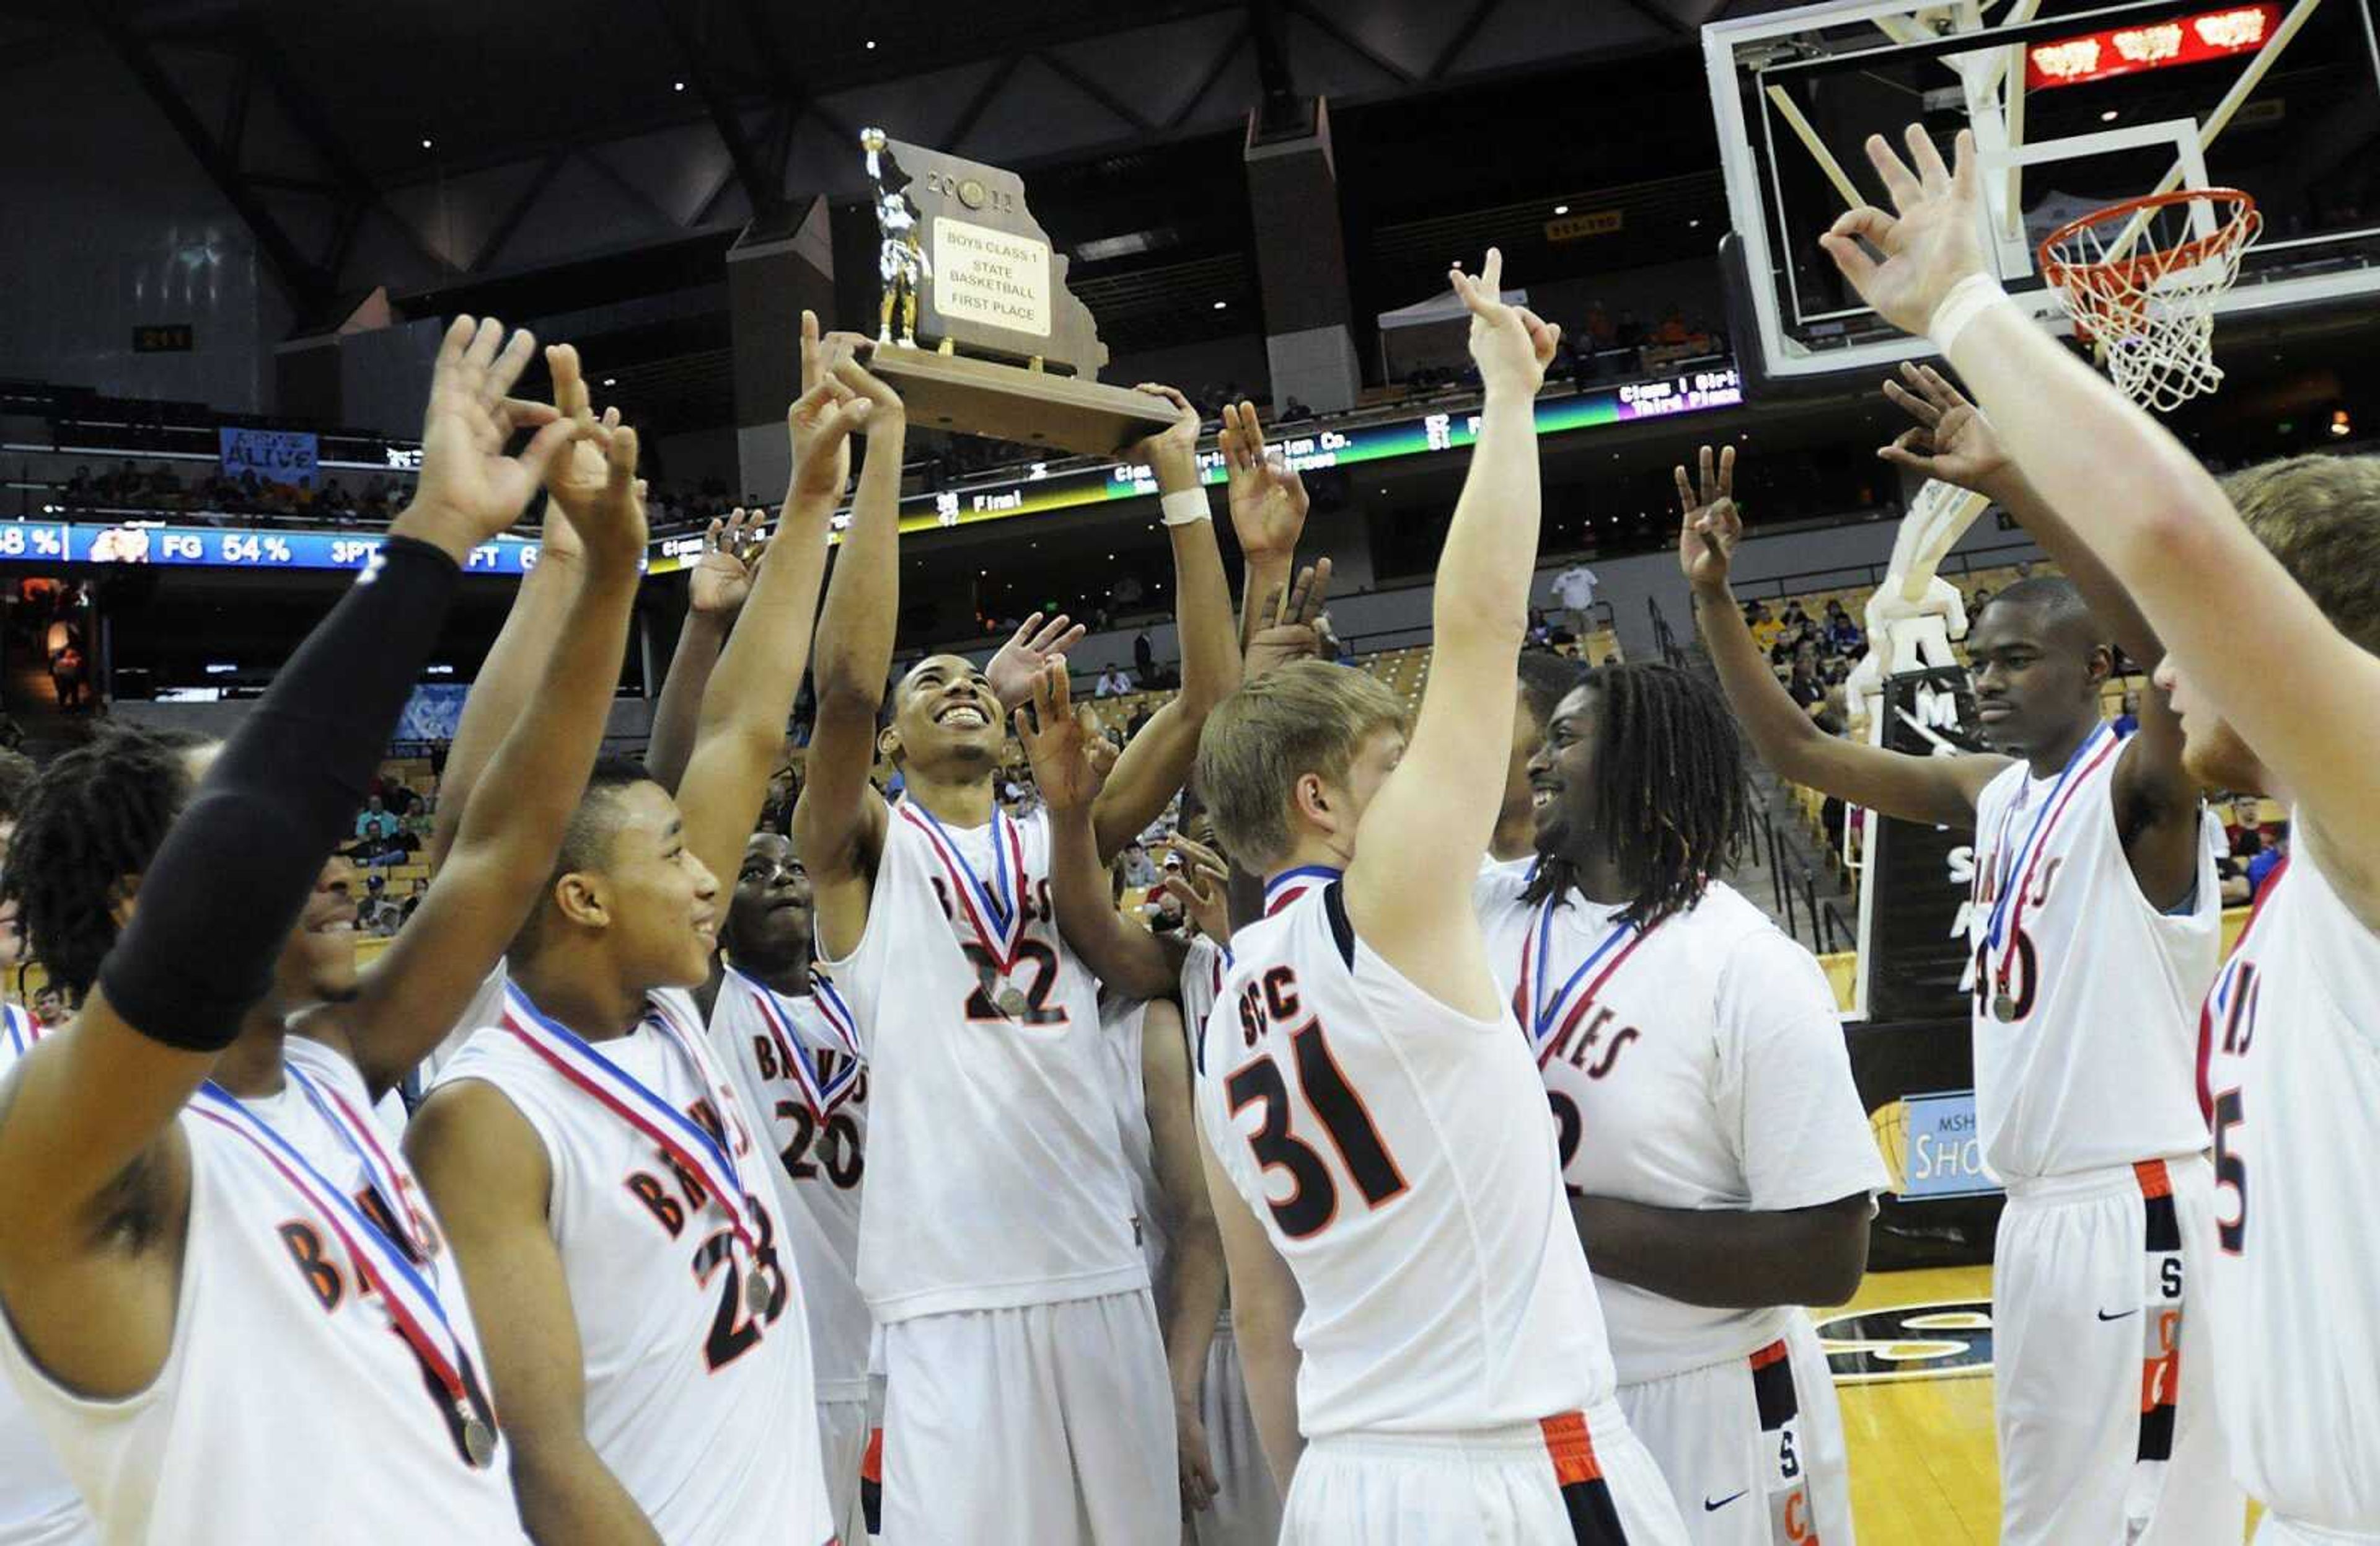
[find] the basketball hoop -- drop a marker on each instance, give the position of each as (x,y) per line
(2141,284)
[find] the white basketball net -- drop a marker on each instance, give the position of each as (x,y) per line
(2142,284)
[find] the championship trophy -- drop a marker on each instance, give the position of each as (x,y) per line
(975,329)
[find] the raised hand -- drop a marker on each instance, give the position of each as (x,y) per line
(1020,662)
(1177,440)
(818,355)
(1269,502)
(1511,345)
(1290,623)
(1070,758)
(468,490)
(844,401)
(611,527)
(732,551)
(1710,526)
(1202,885)
(1952,440)
(1928,246)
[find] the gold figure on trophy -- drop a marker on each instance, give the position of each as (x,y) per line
(901,259)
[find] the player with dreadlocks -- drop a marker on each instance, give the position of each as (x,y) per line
(1731,1172)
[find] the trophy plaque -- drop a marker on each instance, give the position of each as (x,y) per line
(976,330)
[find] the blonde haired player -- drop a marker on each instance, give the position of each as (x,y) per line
(2290,1041)
(1383,1175)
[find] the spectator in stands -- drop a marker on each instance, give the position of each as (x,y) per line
(2261,868)
(405,913)
(2129,719)
(1294,412)
(1843,636)
(378,913)
(1600,329)
(1139,870)
(1112,683)
(1541,632)
(1141,715)
(1574,590)
(1766,629)
(2246,829)
(1804,684)
(50,1007)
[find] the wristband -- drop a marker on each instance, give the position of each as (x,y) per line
(1182,507)
(1968,299)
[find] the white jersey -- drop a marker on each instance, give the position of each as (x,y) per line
(1701,1064)
(1202,983)
(702,1409)
(2094,1068)
(995,1180)
(817,1114)
(1395,1152)
(1123,1024)
(2292,1071)
(282,1366)
(39,1506)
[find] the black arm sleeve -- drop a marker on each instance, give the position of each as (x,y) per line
(237,865)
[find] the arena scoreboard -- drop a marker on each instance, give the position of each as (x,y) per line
(1041,489)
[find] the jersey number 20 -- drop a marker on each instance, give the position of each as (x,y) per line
(1309,1209)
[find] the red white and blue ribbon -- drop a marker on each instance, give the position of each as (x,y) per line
(996,911)
(411,1300)
(2008,908)
(685,1140)
(828,1000)
(1290,884)
(1547,1015)
(794,1052)
(23,1029)
(361,1140)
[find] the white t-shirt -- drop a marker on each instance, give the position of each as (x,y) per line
(281,1367)
(1393,1150)
(2097,1070)
(995,1179)
(1575,588)
(1706,1070)
(817,1114)
(2291,1049)
(703,1408)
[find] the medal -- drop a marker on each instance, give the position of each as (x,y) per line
(994,913)
(479,1443)
(1540,1020)
(689,1144)
(2004,935)
(757,1292)
(409,1299)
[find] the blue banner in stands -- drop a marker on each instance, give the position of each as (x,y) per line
(274,456)
(432,714)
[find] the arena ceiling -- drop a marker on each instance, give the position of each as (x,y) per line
(418,143)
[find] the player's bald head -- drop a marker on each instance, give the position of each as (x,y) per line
(2052,606)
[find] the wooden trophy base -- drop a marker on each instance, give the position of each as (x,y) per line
(1011,402)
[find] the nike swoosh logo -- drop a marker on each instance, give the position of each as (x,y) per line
(1710,1507)
(2125,1315)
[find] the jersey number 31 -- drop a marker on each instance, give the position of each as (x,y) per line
(1309,1209)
